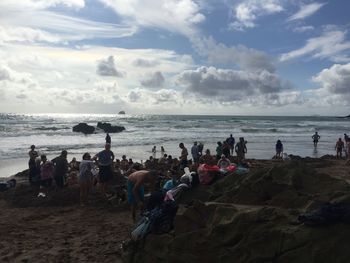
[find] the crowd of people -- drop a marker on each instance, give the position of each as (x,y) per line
(100,169)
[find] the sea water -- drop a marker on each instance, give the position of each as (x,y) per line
(52,133)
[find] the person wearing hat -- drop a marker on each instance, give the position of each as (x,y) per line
(33,154)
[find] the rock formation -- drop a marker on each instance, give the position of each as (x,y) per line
(107,127)
(84,128)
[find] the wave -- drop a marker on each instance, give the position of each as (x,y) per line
(255,130)
(51,128)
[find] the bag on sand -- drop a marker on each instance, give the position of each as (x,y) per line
(142,229)
(162,218)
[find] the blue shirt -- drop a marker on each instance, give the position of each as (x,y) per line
(105,158)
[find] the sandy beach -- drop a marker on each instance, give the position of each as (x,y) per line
(58,230)
(241,217)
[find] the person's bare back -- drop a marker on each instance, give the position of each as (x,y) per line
(139,177)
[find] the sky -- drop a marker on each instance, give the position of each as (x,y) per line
(230,57)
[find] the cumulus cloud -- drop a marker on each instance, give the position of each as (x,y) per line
(180,16)
(335,79)
(230,85)
(156,80)
(145,63)
(306,11)
(141,96)
(106,67)
(331,45)
(248,11)
(246,58)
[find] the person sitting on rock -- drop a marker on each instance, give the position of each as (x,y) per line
(223,163)
(207,158)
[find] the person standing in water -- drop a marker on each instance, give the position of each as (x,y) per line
(231,142)
(108,138)
(339,146)
(316,137)
(279,149)
(154,152)
(241,149)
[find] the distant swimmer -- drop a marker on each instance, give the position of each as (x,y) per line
(315,137)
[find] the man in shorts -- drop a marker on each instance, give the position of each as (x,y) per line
(315,138)
(105,160)
(135,186)
(339,146)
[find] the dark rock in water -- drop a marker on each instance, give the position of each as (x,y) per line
(121,112)
(107,127)
(84,128)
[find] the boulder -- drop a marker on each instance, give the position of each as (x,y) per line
(107,127)
(84,128)
(121,112)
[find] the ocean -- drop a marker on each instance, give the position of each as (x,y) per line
(52,133)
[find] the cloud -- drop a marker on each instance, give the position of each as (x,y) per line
(145,63)
(335,79)
(229,85)
(106,67)
(53,77)
(40,4)
(4,73)
(248,11)
(156,80)
(306,11)
(331,45)
(149,98)
(179,16)
(302,29)
(41,25)
(26,34)
(246,58)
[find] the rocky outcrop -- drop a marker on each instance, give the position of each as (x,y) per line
(253,218)
(107,127)
(84,128)
(121,112)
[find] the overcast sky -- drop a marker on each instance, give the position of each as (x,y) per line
(250,57)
